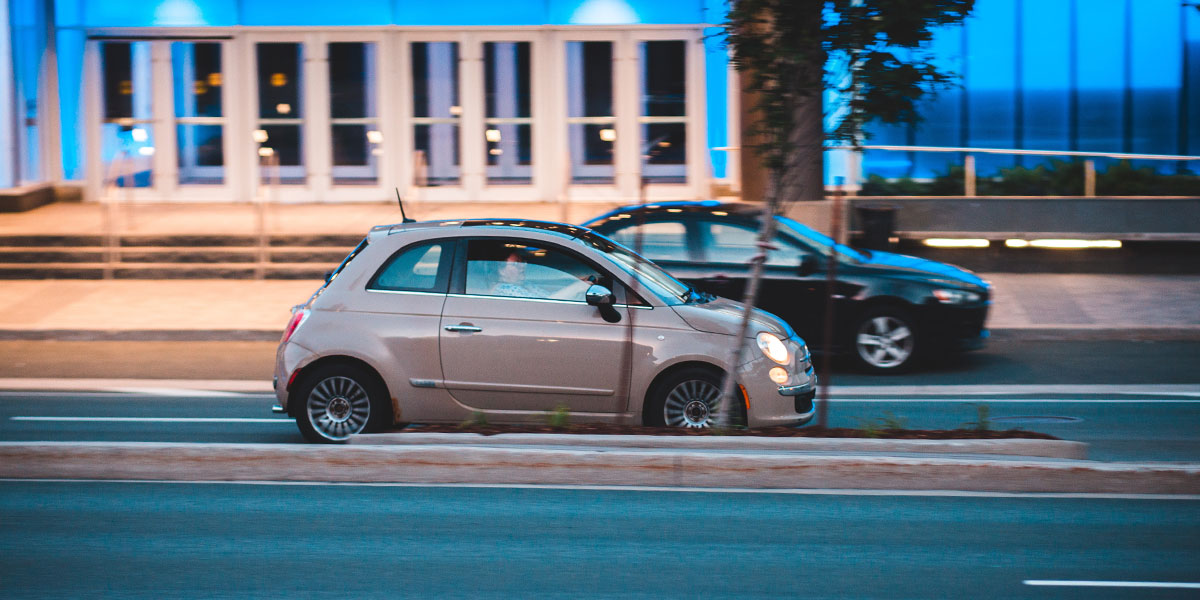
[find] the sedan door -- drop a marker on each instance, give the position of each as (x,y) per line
(517,334)
(727,248)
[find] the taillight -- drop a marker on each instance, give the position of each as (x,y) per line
(298,317)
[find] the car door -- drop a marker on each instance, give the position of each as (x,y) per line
(528,341)
(727,246)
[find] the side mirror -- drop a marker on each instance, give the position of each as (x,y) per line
(809,264)
(598,295)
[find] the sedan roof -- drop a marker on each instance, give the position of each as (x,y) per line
(745,209)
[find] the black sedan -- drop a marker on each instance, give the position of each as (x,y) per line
(890,311)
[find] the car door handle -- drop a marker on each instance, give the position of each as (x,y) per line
(463,328)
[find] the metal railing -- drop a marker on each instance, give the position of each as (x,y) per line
(969,173)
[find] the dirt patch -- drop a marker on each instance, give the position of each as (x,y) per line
(814,432)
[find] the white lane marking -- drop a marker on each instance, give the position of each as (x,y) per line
(1166,389)
(985,400)
(1115,584)
(153,419)
(83,384)
(643,488)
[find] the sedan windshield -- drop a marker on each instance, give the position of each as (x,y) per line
(658,281)
(819,241)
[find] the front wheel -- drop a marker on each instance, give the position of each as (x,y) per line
(688,398)
(340,401)
(885,340)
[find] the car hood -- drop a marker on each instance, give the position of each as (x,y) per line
(921,266)
(725,317)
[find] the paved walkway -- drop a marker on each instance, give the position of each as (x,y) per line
(1157,306)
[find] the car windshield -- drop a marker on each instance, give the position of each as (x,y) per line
(658,281)
(819,241)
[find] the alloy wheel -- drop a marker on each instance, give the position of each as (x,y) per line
(691,403)
(338,407)
(885,342)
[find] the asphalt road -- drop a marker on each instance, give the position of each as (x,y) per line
(184,540)
(1001,362)
(1116,427)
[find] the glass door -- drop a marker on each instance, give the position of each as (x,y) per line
(198,82)
(280,116)
(127,124)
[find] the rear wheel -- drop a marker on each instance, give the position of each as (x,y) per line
(340,401)
(688,398)
(886,340)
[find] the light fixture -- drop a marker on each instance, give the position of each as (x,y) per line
(260,135)
(1074,244)
(778,375)
(146,150)
(1016,243)
(200,87)
(492,135)
(278,80)
(495,152)
(266,151)
(139,135)
(608,134)
(283,108)
(214,79)
(375,137)
(956,243)
(456,110)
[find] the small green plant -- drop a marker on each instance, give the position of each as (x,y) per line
(982,420)
(874,428)
(560,417)
(477,419)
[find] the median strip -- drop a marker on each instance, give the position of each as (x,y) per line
(576,466)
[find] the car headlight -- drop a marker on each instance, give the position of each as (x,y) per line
(955,296)
(773,347)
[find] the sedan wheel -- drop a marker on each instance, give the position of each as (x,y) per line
(885,340)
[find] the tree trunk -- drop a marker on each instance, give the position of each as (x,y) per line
(804,170)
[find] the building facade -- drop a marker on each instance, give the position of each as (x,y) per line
(470,100)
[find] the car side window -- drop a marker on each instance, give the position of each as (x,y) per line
(661,240)
(417,268)
(738,243)
(507,268)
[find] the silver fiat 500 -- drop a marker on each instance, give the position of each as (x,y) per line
(442,321)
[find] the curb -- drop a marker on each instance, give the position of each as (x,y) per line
(661,468)
(1182,333)
(1003,447)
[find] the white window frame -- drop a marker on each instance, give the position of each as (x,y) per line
(549,118)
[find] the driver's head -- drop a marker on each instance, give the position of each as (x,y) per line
(513,268)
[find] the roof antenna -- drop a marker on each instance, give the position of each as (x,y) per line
(403,216)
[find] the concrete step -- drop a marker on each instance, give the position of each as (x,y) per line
(329,241)
(156,254)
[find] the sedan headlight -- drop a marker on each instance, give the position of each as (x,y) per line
(955,296)
(773,347)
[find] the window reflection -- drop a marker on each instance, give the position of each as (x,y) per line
(436,113)
(508,123)
(591,124)
(664,111)
(280,111)
(357,141)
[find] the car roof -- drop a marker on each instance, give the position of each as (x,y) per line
(742,209)
(565,230)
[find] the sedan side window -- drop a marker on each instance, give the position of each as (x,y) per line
(418,268)
(663,240)
(738,243)
(517,270)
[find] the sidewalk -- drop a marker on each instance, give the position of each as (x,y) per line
(1052,306)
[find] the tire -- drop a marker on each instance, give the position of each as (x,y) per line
(337,402)
(688,398)
(885,340)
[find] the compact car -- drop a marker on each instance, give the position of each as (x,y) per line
(508,321)
(890,310)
